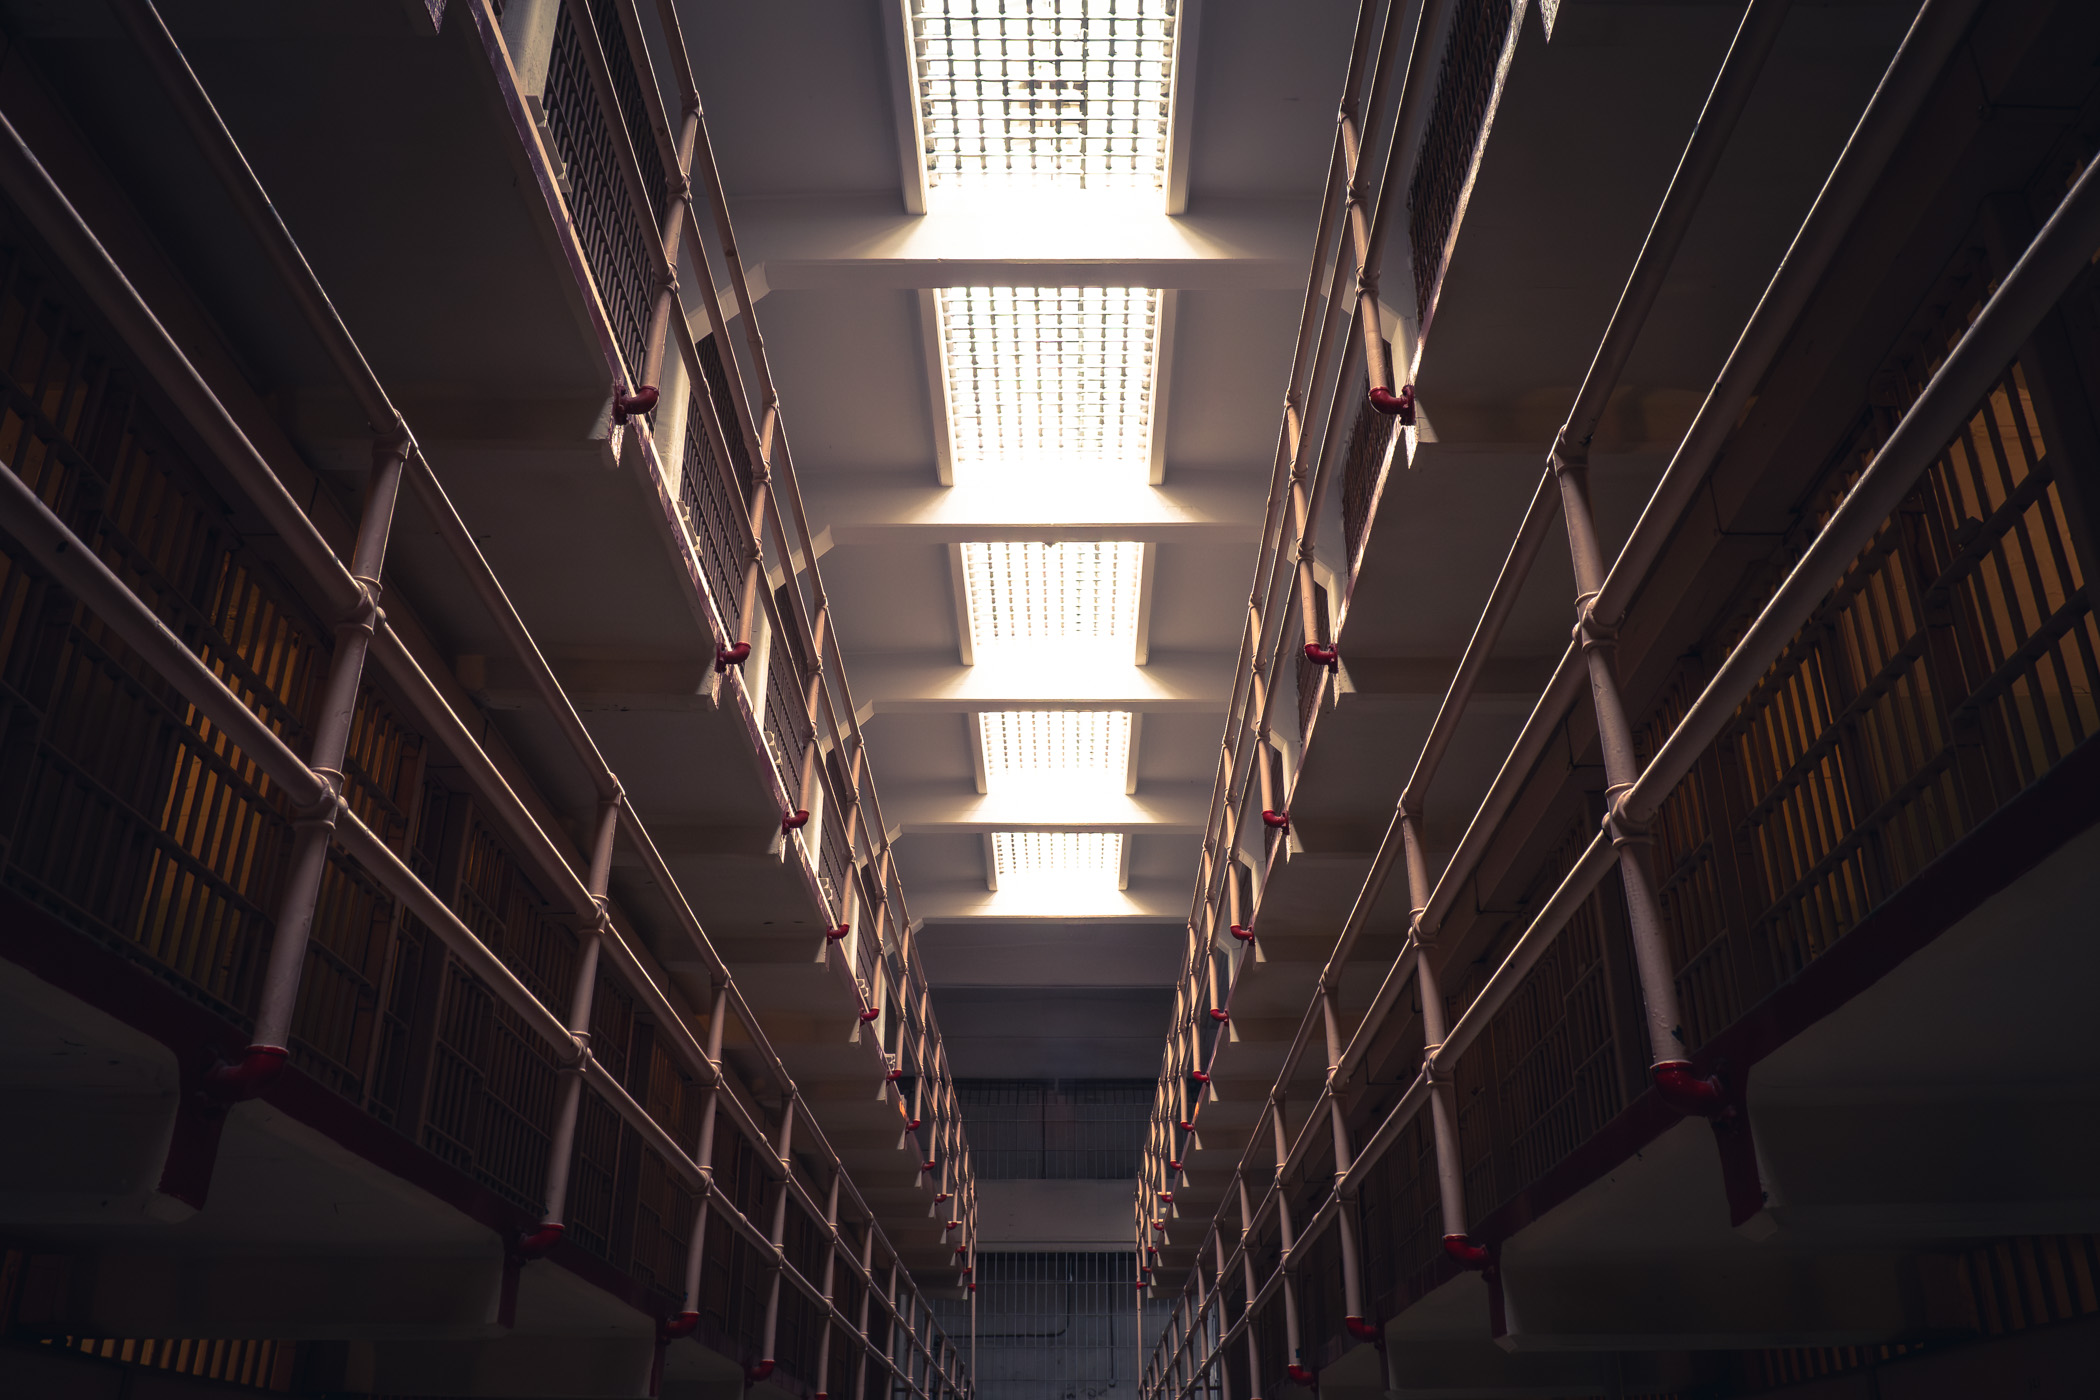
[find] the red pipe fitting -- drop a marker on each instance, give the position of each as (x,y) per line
(911,1125)
(1690,1093)
(1151,1249)
(255,1070)
(1466,1254)
(759,1371)
(795,820)
(1363,1331)
(929,1166)
(626,406)
(960,1251)
(867,1017)
(1186,1127)
(1220,1015)
(1303,1375)
(945,1196)
(536,1243)
(1392,405)
(1167,1196)
(726,657)
(891,1076)
(1160,1226)
(1281,821)
(951,1225)
(838,935)
(1323,654)
(1201,1076)
(1173,1166)
(1243,933)
(682,1324)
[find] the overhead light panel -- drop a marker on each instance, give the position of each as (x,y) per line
(1022,593)
(1049,378)
(1063,862)
(1055,751)
(1033,94)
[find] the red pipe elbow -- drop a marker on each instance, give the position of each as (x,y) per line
(1220,1015)
(1303,1375)
(944,1197)
(1167,1196)
(929,1166)
(1186,1127)
(1323,654)
(726,657)
(760,1370)
(1392,405)
(838,935)
(255,1070)
(1173,1166)
(680,1325)
(795,820)
(1200,1076)
(867,1017)
(1281,821)
(1363,1331)
(951,1225)
(1688,1092)
(1243,933)
(911,1125)
(536,1244)
(891,1076)
(642,400)
(1465,1253)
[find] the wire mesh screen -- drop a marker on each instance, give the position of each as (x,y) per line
(1055,1129)
(1055,1326)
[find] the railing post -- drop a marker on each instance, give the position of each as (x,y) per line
(313,827)
(822,1379)
(1248,1282)
(704,1159)
(1669,1063)
(785,1152)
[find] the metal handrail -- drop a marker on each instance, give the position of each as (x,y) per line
(2056,255)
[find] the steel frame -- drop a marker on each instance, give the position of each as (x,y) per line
(1184,1360)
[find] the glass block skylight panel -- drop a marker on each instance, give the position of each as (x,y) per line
(1066,860)
(1033,750)
(1032,94)
(1049,378)
(1022,591)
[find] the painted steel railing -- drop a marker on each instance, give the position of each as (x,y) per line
(1295,1237)
(256,854)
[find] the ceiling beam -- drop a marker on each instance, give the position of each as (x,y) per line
(933,682)
(912,509)
(1145,902)
(1111,240)
(1164,808)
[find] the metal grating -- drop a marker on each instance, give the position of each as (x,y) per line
(1465,96)
(1056,859)
(1060,94)
(1049,377)
(1019,591)
(1055,1129)
(1055,1326)
(1029,750)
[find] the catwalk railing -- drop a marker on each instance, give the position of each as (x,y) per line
(205,775)
(1923,650)
(618,174)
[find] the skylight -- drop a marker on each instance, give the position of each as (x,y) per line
(1019,592)
(1045,751)
(1060,861)
(1049,377)
(1070,94)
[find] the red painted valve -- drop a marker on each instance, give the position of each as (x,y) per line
(1466,1254)
(626,406)
(1690,1093)
(1392,405)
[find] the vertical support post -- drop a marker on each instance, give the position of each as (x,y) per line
(831,1260)
(561,1148)
(265,1057)
(1669,1068)
(704,1158)
(779,1234)
(1295,1367)
(1247,1281)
